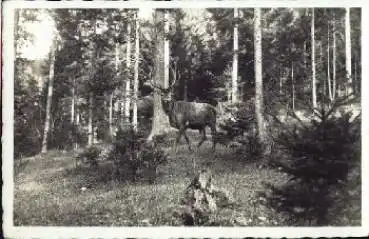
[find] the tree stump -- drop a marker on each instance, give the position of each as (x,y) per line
(202,199)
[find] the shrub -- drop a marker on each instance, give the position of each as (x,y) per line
(137,157)
(89,156)
(240,127)
(317,155)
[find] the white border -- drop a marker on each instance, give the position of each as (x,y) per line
(173,232)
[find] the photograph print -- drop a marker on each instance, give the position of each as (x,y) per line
(221,117)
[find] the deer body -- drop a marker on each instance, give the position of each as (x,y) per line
(191,115)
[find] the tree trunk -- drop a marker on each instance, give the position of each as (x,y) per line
(348,51)
(329,67)
(166,50)
(259,102)
(313,88)
(305,61)
(334,60)
(321,61)
(49,98)
(293,87)
(76,130)
(111,133)
(160,121)
(77,116)
(111,103)
(72,109)
(128,81)
(235,59)
(135,81)
(355,82)
(229,91)
(280,82)
(90,117)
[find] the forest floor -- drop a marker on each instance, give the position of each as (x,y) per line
(51,191)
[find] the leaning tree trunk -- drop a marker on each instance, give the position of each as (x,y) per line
(313,80)
(128,80)
(348,51)
(49,98)
(259,101)
(160,121)
(135,81)
(235,59)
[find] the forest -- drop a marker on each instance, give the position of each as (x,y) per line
(112,128)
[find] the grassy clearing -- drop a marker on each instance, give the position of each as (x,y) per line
(51,191)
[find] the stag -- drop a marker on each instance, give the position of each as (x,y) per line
(185,115)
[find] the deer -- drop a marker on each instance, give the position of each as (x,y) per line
(185,115)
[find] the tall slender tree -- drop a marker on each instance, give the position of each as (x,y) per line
(329,65)
(259,99)
(235,58)
(90,118)
(128,80)
(166,49)
(135,80)
(313,69)
(49,96)
(293,87)
(348,51)
(334,52)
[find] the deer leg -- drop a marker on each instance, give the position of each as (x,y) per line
(213,135)
(177,140)
(182,130)
(203,137)
(188,141)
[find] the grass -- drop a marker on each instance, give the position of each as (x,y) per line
(51,191)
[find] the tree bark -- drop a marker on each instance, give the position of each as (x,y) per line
(166,50)
(111,103)
(111,133)
(72,110)
(329,66)
(49,98)
(160,121)
(128,81)
(280,75)
(259,101)
(77,116)
(293,87)
(90,117)
(321,61)
(355,82)
(334,59)
(348,51)
(135,81)
(235,59)
(313,81)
